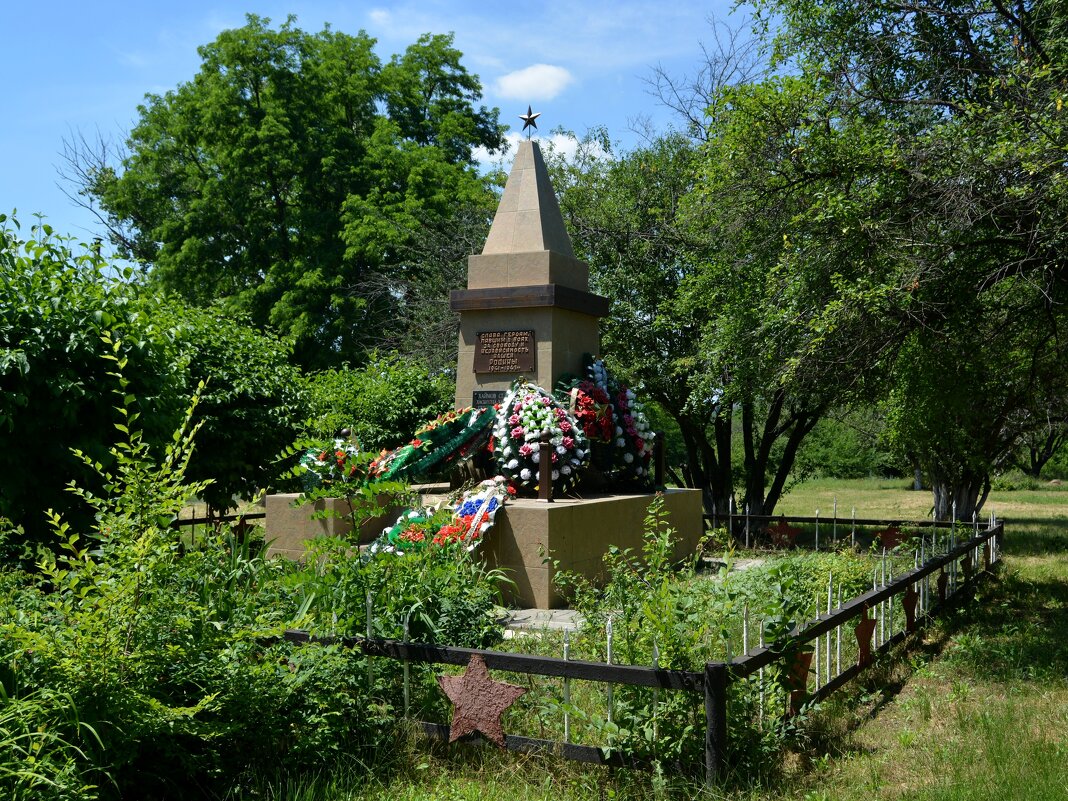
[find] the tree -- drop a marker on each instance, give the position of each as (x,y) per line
(966,100)
(288,175)
(698,317)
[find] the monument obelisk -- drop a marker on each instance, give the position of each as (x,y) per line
(527,310)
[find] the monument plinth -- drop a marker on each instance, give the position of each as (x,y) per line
(527,311)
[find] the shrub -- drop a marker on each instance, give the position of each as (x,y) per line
(57,302)
(382,404)
(251,406)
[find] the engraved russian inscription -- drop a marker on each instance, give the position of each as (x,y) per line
(484,398)
(504,352)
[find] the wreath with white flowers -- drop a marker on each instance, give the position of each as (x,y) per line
(634,438)
(527,411)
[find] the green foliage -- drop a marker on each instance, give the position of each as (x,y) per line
(928,157)
(849,445)
(251,406)
(381,404)
(288,175)
(57,302)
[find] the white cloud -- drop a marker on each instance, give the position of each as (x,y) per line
(536,82)
(379,16)
(559,144)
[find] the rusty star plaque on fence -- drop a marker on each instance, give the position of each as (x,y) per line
(908,603)
(943,582)
(865,628)
(478,701)
(782,534)
(797,679)
(967,566)
(891,537)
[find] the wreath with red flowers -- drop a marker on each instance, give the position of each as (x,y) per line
(614,420)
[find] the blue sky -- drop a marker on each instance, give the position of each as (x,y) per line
(73,67)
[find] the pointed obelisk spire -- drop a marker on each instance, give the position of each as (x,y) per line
(528,218)
(527,310)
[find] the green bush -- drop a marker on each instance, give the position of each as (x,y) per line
(57,303)
(1012,480)
(382,403)
(172,649)
(251,406)
(848,445)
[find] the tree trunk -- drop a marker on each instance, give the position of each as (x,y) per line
(968,492)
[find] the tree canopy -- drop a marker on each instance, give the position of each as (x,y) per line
(289,175)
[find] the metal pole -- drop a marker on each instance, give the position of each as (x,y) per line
(545,468)
(834,525)
(715,720)
(830,599)
(567,689)
(817,534)
(608,660)
(407,687)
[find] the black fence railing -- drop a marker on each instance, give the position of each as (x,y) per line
(957,565)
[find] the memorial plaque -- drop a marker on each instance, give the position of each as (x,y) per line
(484,398)
(504,352)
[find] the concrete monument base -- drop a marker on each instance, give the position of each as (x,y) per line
(287,527)
(576,533)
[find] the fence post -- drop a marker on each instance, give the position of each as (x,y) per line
(715,720)
(545,468)
(658,462)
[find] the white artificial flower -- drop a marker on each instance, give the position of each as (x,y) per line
(513,464)
(535,457)
(620,442)
(619,431)
(566,470)
(524,474)
(556,475)
(628,457)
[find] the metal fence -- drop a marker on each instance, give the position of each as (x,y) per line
(809,663)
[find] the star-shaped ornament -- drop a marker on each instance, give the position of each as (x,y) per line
(528,120)
(478,701)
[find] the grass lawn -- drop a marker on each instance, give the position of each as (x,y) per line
(977,710)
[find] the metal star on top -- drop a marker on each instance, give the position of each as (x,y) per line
(478,701)
(528,120)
